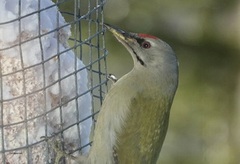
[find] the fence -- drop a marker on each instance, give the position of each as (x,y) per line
(52,77)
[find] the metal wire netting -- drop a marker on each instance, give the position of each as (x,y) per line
(52,78)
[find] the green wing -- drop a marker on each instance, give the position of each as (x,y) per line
(141,139)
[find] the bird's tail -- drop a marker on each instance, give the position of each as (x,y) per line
(82,159)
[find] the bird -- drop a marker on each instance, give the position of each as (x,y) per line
(43,85)
(133,120)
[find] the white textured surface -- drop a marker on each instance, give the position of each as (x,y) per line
(25,76)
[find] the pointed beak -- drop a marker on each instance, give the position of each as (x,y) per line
(122,36)
(129,40)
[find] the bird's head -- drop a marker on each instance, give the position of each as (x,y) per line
(153,58)
(148,52)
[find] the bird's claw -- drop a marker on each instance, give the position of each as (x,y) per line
(112,78)
(56,146)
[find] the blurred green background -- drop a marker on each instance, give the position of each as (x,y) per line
(205,116)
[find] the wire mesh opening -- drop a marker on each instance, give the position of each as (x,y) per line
(52,77)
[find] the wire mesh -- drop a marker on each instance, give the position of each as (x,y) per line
(52,83)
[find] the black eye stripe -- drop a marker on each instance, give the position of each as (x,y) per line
(140,41)
(143,43)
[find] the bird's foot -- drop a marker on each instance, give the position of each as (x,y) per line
(56,146)
(112,78)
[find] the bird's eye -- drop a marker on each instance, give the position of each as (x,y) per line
(146,45)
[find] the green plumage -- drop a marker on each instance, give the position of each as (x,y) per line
(133,121)
(144,130)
